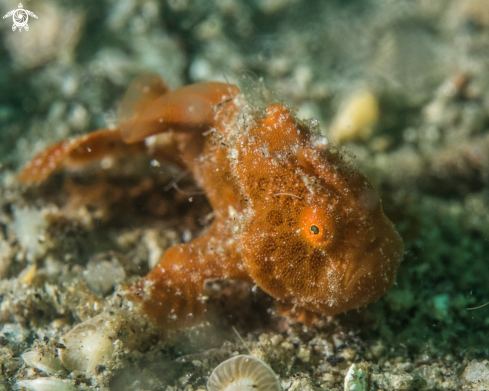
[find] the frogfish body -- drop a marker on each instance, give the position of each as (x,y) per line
(290,214)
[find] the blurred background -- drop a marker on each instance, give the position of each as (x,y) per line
(401,85)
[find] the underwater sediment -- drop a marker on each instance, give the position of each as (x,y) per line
(399,88)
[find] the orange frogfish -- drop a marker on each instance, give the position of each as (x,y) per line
(291,216)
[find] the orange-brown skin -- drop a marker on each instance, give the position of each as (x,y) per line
(290,215)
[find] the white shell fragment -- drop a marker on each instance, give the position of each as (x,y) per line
(50,365)
(90,344)
(356,118)
(243,373)
(102,275)
(30,225)
(47,384)
(356,379)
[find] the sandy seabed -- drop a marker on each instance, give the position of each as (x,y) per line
(421,136)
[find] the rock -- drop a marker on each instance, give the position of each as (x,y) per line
(477,372)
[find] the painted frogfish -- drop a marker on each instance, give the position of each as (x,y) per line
(291,215)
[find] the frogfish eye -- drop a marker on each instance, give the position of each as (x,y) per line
(316,226)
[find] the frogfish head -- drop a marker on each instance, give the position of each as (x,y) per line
(320,239)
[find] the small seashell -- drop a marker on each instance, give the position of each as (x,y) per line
(89,344)
(50,365)
(243,373)
(47,384)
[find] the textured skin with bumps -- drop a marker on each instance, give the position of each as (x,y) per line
(290,214)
